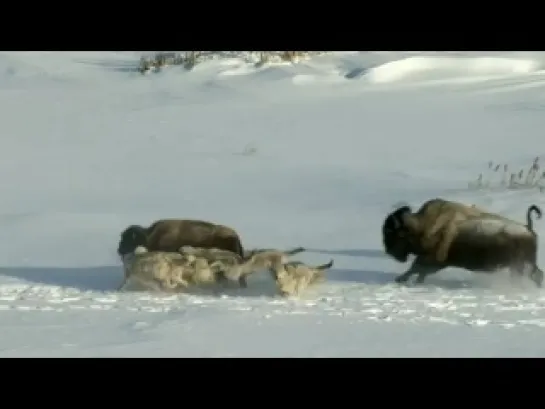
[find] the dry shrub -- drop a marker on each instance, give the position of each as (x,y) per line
(188,59)
(501,176)
(286,56)
(163,59)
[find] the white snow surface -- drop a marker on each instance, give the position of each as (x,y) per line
(313,154)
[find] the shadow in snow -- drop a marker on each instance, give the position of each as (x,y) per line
(260,285)
(113,65)
(351,252)
(355,73)
(109,278)
(373,277)
(106,278)
(370,277)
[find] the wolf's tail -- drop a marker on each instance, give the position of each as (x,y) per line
(295,250)
(325,266)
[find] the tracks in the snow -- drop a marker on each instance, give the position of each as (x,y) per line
(384,303)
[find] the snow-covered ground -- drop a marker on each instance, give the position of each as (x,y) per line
(314,154)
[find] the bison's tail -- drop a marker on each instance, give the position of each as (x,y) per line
(295,250)
(325,266)
(529,221)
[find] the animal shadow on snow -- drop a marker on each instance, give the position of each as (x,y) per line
(448,280)
(351,252)
(356,73)
(113,65)
(106,278)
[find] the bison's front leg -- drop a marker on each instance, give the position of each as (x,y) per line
(421,266)
(406,275)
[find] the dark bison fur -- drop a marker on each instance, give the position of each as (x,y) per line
(470,250)
(171,234)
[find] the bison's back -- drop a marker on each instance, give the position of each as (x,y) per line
(171,234)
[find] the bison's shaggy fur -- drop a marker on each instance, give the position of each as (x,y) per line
(171,234)
(436,222)
(485,242)
(163,271)
(297,277)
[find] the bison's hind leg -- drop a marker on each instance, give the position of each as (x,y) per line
(533,271)
(536,275)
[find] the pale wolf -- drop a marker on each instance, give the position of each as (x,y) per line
(297,276)
(163,271)
(271,260)
(218,260)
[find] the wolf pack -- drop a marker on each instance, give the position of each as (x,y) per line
(174,255)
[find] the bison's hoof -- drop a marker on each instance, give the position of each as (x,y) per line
(441,257)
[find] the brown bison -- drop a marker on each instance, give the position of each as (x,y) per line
(480,243)
(170,234)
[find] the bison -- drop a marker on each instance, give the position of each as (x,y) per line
(171,234)
(481,243)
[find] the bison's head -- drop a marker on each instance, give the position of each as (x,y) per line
(395,235)
(131,238)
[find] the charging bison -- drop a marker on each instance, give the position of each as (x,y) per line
(475,240)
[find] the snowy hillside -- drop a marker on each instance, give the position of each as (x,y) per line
(313,154)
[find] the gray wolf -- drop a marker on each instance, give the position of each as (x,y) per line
(163,271)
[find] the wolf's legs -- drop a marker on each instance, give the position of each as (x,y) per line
(242,282)
(175,279)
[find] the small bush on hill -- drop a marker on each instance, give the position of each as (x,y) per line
(188,59)
(502,177)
